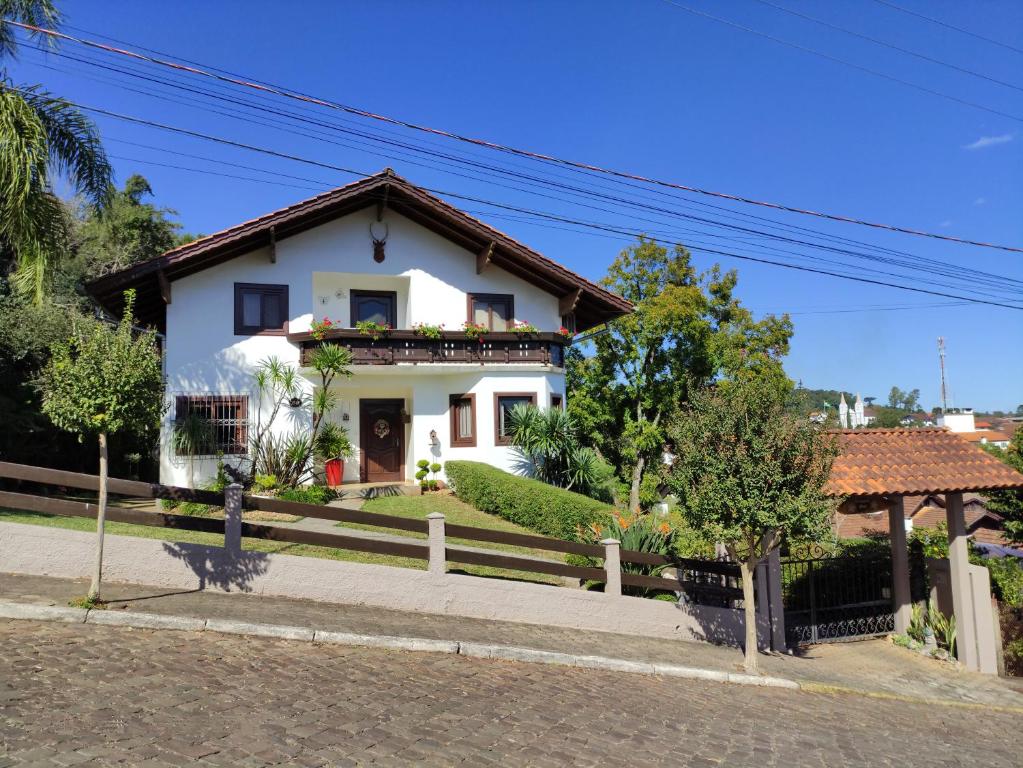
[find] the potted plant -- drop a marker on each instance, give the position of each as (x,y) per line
(522,328)
(373,328)
(475,331)
(318,329)
(428,331)
(333,447)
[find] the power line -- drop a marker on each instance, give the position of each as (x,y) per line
(674,195)
(885,44)
(521,152)
(837,60)
(941,23)
(994,281)
(541,214)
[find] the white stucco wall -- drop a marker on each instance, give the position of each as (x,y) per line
(432,278)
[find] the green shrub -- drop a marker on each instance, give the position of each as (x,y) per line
(307,494)
(530,503)
(1006,579)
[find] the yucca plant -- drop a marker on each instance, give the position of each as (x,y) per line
(192,436)
(944,627)
(551,451)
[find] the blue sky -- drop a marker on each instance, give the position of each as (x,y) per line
(646,87)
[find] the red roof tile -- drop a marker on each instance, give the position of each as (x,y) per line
(877,462)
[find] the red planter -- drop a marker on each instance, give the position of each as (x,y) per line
(335,472)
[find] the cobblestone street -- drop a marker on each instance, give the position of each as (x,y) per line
(79,694)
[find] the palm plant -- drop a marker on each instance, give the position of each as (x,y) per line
(551,451)
(39,133)
(192,436)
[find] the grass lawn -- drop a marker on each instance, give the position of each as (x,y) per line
(456,512)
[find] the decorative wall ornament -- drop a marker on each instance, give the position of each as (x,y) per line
(378,239)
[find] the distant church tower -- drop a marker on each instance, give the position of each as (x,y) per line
(859,420)
(843,413)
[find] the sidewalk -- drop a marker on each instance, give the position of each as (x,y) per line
(869,667)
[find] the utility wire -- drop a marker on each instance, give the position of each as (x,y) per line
(673,195)
(535,155)
(945,24)
(885,44)
(994,281)
(844,62)
(540,214)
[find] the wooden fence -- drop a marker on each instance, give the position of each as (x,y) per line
(705,582)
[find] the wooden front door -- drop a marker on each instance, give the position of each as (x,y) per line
(382,438)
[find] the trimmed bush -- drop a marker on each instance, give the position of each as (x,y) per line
(530,503)
(307,494)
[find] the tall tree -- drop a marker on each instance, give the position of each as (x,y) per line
(686,330)
(747,474)
(101,381)
(128,231)
(39,133)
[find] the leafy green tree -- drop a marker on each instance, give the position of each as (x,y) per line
(1009,504)
(128,231)
(101,381)
(40,134)
(748,475)
(686,330)
(904,400)
(887,418)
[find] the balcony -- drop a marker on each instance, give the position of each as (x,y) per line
(407,347)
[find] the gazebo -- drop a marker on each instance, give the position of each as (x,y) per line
(877,467)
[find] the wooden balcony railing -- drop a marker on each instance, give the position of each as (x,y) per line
(453,347)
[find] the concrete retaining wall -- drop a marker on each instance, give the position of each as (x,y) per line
(56,552)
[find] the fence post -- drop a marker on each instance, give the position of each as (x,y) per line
(612,567)
(437,563)
(233,519)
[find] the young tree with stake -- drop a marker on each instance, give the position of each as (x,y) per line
(748,475)
(102,381)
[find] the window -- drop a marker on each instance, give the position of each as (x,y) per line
(494,311)
(463,420)
(557,401)
(375,307)
(568,322)
(219,423)
(260,308)
(503,404)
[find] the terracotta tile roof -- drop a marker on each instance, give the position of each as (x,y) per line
(874,462)
(989,536)
(990,435)
(594,304)
(857,525)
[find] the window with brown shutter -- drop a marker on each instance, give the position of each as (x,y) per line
(260,308)
(227,416)
(463,420)
(557,401)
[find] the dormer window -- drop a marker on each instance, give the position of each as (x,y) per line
(494,311)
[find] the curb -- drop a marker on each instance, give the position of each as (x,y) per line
(138,620)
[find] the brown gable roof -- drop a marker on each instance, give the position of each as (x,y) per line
(593,306)
(877,462)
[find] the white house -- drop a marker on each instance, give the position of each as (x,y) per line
(379,249)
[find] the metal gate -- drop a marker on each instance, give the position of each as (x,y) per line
(830,598)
